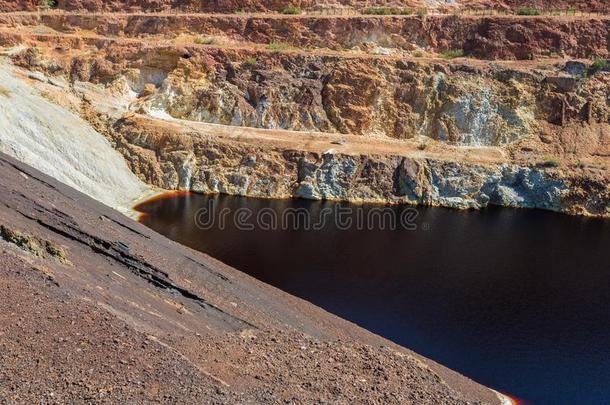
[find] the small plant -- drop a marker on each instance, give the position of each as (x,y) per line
(387,11)
(422,146)
(47,4)
(422,12)
(278,46)
(452,53)
(599,65)
(550,162)
(418,54)
(205,41)
(292,10)
(580,164)
(249,61)
(527,11)
(4,92)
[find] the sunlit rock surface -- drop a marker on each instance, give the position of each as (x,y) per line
(59,143)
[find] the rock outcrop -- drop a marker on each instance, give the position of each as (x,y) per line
(554,5)
(207,160)
(521,38)
(460,103)
(229,6)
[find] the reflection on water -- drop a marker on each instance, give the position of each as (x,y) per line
(518,300)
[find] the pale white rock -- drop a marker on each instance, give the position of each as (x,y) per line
(62,145)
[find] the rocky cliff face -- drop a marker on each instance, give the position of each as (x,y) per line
(520,38)
(18,5)
(583,5)
(459,103)
(339,124)
(278,5)
(200,161)
(189,5)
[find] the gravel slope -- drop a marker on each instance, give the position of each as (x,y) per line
(96,307)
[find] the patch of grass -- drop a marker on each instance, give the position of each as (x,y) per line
(387,11)
(292,10)
(527,11)
(278,46)
(422,12)
(452,53)
(418,54)
(550,162)
(206,41)
(4,92)
(249,61)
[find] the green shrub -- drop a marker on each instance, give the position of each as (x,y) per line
(600,64)
(278,46)
(527,11)
(205,41)
(422,12)
(580,164)
(452,53)
(249,61)
(550,162)
(291,10)
(387,11)
(422,146)
(48,4)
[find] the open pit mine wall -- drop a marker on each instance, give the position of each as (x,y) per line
(278,5)
(451,102)
(487,38)
(209,164)
(219,6)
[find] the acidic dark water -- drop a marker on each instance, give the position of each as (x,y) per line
(518,300)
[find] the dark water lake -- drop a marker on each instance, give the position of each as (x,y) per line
(518,300)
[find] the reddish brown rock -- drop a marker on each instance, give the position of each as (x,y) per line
(488,37)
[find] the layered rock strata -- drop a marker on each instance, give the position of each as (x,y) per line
(490,37)
(393,129)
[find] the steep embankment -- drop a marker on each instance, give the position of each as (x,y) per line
(230,6)
(54,140)
(279,164)
(553,5)
(464,102)
(149,320)
(489,37)
(546,122)
(279,5)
